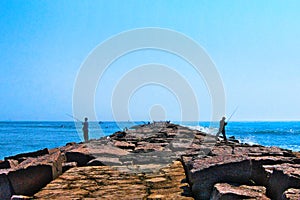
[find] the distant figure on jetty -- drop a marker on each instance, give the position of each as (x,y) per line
(222,128)
(85,129)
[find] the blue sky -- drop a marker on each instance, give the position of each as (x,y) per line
(254,44)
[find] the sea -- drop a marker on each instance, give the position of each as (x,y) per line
(21,136)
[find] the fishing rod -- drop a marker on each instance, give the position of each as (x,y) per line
(73,117)
(232,114)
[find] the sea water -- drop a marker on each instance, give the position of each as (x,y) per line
(20,137)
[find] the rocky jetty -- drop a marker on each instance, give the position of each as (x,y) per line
(153,161)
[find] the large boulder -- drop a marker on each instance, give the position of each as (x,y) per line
(282,177)
(225,191)
(291,194)
(8,164)
(22,156)
(240,164)
(31,175)
(5,188)
(205,173)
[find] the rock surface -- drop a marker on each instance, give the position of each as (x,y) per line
(223,191)
(241,164)
(291,194)
(105,182)
(154,161)
(30,175)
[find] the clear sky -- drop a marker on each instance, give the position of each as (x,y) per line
(255,46)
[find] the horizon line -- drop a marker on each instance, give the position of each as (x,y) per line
(150,121)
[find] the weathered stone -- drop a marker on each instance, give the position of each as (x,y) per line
(4,164)
(225,191)
(145,147)
(20,157)
(103,182)
(80,158)
(207,172)
(30,180)
(54,160)
(8,164)
(103,161)
(291,194)
(5,188)
(282,177)
(34,173)
(124,145)
(71,143)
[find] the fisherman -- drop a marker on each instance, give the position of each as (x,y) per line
(85,129)
(222,128)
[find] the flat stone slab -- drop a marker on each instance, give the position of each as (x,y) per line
(105,182)
(223,191)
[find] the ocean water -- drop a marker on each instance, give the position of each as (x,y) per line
(20,137)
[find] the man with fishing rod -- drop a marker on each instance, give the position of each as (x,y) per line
(222,128)
(223,124)
(85,127)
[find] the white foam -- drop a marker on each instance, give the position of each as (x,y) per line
(248,140)
(207,130)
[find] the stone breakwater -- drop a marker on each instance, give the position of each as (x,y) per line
(155,161)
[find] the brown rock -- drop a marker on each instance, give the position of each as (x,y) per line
(282,177)
(145,150)
(206,172)
(103,161)
(83,154)
(30,180)
(8,164)
(80,158)
(22,156)
(225,191)
(145,147)
(5,188)
(4,164)
(34,173)
(104,182)
(124,145)
(291,194)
